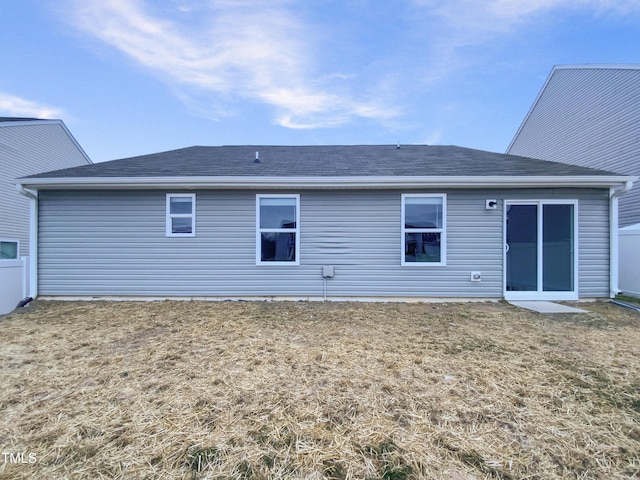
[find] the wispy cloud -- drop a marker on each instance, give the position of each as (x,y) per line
(258,51)
(433,137)
(455,27)
(217,55)
(474,21)
(14,106)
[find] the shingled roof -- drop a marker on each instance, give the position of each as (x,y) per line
(321,161)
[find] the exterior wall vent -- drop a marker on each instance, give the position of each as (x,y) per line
(327,271)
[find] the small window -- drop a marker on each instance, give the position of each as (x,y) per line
(278,227)
(9,249)
(181,215)
(423,229)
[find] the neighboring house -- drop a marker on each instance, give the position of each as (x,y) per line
(589,115)
(27,146)
(411,221)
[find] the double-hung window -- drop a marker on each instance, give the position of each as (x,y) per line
(278,229)
(424,218)
(9,249)
(181,215)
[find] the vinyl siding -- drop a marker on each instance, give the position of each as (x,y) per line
(28,148)
(588,117)
(593,236)
(103,243)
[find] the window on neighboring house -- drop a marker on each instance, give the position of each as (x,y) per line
(424,229)
(278,229)
(181,215)
(9,249)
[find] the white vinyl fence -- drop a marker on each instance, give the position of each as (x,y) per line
(629,258)
(13,283)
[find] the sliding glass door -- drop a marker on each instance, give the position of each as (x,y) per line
(540,250)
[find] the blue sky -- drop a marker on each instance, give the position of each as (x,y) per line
(131,77)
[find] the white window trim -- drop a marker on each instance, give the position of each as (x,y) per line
(170,216)
(442,231)
(259,230)
(11,240)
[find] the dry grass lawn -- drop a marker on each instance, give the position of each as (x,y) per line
(244,390)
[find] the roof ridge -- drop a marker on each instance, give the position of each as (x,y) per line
(597,66)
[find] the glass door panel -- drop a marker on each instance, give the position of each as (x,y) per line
(557,248)
(522,248)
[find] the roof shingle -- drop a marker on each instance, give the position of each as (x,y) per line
(323,161)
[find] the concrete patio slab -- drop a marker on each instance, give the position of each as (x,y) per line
(547,307)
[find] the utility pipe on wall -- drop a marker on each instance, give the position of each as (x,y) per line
(32,195)
(614,193)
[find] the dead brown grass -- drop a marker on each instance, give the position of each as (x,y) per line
(244,390)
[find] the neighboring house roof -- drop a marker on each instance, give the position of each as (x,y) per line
(17,119)
(588,115)
(339,165)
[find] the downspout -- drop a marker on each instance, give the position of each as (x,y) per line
(614,193)
(32,195)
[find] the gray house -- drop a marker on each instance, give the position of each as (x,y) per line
(27,146)
(309,222)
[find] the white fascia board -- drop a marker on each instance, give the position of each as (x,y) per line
(356,182)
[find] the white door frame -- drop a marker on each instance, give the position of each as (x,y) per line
(540,294)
